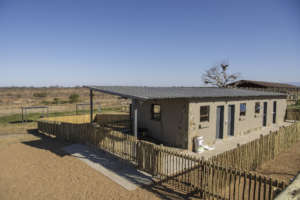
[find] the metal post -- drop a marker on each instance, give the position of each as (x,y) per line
(135,122)
(134,117)
(91,105)
(22,115)
(297,95)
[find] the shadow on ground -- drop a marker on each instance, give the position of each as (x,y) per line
(46,143)
(160,189)
(21,122)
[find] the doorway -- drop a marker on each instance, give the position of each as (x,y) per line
(274,111)
(231,113)
(265,113)
(220,122)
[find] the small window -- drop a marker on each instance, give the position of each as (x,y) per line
(155,112)
(257,107)
(204,113)
(242,109)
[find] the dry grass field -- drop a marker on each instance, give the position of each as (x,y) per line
(57,98)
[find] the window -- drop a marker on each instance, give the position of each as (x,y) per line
(257,107)
(155,112)
(204,113)
(242,109)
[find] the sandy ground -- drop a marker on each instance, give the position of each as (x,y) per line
(34,167)
(18,128)
(285,166)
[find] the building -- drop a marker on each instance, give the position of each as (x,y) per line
(292,91)
(261,84)
(175,115)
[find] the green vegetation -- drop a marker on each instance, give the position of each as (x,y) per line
(16,118)
(46,102)
(40,94)
(55,101)
(295,106)
(74,98)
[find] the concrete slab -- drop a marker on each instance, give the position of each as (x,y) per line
(117,170)
(292,192)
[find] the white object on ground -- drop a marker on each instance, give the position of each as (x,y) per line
(199,146)
(198,142)
(208,148)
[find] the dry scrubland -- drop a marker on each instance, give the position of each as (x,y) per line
(11,99)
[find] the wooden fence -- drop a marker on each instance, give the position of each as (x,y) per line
(108,139)
(204,179)
(251,155)
(213,179)
(293,114)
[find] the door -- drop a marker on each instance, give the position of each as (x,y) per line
(220,122)
(231,112)
(274,111)
(265,113)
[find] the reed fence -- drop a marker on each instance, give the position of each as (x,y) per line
(251,155)
(293,114)
(106,138)
(209,179)
(204,179)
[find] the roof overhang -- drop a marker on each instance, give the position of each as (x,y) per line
(212,98)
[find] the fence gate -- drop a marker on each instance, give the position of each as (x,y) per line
(147,157)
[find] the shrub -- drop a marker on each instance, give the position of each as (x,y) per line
(45,102)
(56,101)
(40,94)
(74,98)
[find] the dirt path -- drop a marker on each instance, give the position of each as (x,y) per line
(36,168)
(285,166)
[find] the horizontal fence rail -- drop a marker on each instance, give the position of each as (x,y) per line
(225,176)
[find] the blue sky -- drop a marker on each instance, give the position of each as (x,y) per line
(163,42)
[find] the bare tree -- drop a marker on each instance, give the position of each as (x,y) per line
(218,76)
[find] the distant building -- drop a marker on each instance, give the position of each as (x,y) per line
(292,91)
(175,115)
(261,84)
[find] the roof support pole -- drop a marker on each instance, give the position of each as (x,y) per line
(91,105)
(135,117)
(22,114)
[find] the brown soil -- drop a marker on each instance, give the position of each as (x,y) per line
(285,166)
(34,167)
(18,128)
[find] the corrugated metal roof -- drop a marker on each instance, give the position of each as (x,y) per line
(147,93)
